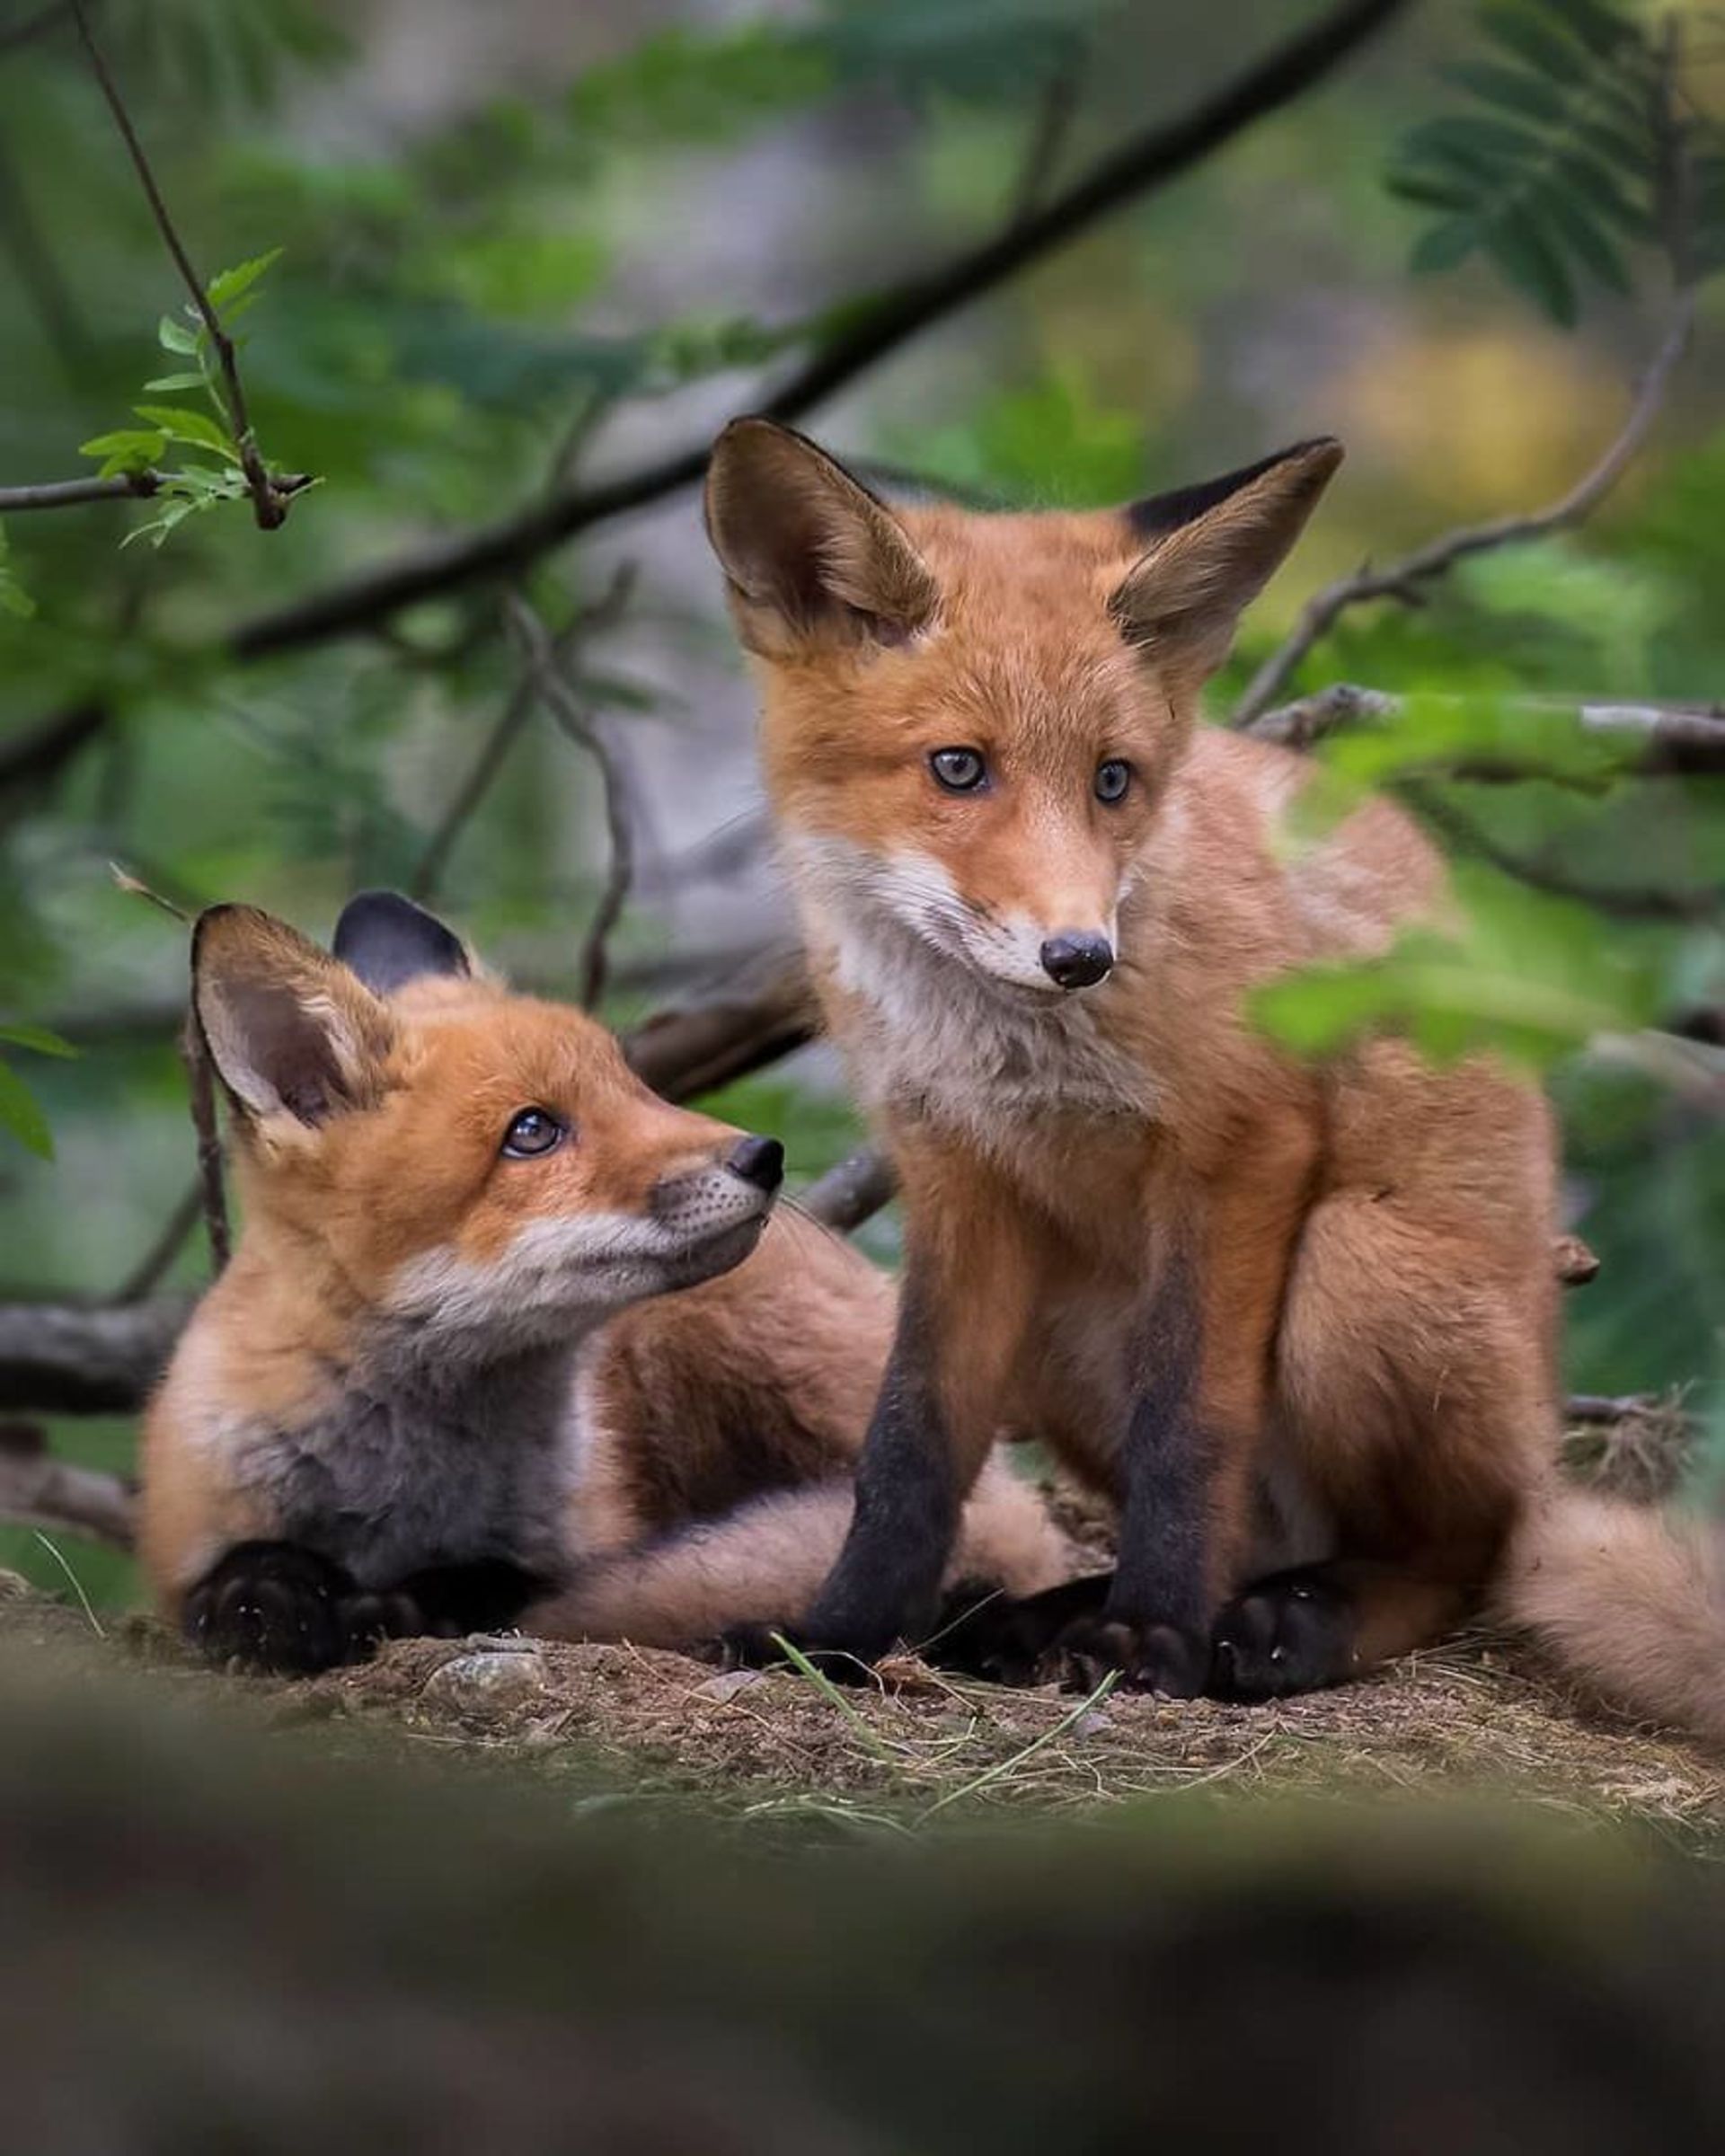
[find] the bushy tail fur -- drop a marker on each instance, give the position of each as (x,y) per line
(767,1561)
(1628,1602)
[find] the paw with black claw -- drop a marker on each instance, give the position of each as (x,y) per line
(273,1606)
(982,1631)
(1146,1658)
(1292,1632)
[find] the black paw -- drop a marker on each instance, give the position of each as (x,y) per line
(447,1602)
(273,1606)
(1292,1632)
(1148,1657)
(762,1647)
(982,1631)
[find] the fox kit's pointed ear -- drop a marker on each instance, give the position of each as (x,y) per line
(1210,551)
(810,556)
(388,940)
(290,1029)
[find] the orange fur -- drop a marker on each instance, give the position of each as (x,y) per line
(1362,1252)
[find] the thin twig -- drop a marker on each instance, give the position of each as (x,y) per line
(1417,569)
(268,502)
(583,728)
(1140,166)
(493,753)
(855,1190)
(1461,835)
(1056,110)
(69,493)
(1658,740)
(146,1275)
(510,723)
(212,1188)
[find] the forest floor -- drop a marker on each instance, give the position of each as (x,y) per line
(617,1726)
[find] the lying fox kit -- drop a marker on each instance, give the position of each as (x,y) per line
(1300,1323)
(445,1383)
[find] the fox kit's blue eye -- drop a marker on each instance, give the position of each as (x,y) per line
(534,1131)
(958,770)
(1112,779)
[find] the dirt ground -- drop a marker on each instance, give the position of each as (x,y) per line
(624,1726)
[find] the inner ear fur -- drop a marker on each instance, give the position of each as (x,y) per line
(290,1029)
(809,555)
(1211,551)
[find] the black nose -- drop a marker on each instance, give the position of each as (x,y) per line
(758,1160)
(1078,958)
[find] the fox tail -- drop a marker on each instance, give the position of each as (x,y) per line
(1628,1603)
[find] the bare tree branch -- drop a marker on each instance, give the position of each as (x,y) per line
(582,728)
(1404,579)
(1056,110)
(151,1268)
(40,1491)
(860,1186)
(1658,740)
(69,493)
(212,1188)
(705,1045)
(1461,835)
(85,1358)
(269,497)
(1137,167)
(511,724)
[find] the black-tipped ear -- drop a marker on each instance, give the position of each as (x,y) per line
(811,556)
(1211,550)
(388,940)
(290,1029)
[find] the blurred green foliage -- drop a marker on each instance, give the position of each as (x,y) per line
(460,290)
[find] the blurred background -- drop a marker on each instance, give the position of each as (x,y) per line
(532,252)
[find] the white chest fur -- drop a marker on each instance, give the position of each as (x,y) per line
(927,1033)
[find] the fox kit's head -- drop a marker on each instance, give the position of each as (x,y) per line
(472,1170)
(970,720)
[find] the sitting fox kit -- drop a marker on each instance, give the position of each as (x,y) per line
(506,1338)
(1300,1323)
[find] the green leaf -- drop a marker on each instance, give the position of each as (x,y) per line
(175,336)
(127,449)
(229,285)
(20,1115)
(1515,88)
(170,382)
(1444,246)
(1588,243)
(181,425)
(158,527)
(1528,259)
(38,1038)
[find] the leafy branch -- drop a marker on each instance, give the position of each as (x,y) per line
(1570,150)
(269,500)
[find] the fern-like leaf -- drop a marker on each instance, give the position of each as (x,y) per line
(1554,168)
